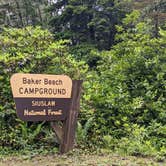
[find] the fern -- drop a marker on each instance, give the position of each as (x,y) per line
(29,133)
(82,131)
(24,130)
(36,131)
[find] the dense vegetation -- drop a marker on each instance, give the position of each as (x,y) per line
(118,52)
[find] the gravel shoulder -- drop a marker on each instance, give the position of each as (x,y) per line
(78,160)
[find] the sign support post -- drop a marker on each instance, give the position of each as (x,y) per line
(66,132)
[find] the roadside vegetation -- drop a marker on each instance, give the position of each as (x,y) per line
(122,63)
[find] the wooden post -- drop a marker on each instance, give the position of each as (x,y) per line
(66,133)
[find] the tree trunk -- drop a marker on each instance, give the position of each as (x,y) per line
(19,13)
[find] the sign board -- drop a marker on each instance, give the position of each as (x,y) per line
(41,97)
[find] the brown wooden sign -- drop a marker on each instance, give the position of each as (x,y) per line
(41,97)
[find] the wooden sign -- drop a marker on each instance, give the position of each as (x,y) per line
(41,97)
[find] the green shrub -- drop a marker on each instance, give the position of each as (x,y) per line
(127,89)
(29,50)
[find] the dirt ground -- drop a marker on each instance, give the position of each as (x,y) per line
(78,160)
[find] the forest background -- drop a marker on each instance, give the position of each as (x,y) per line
(118,49)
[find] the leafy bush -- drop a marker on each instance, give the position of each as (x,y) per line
(29,50)
(128,89)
